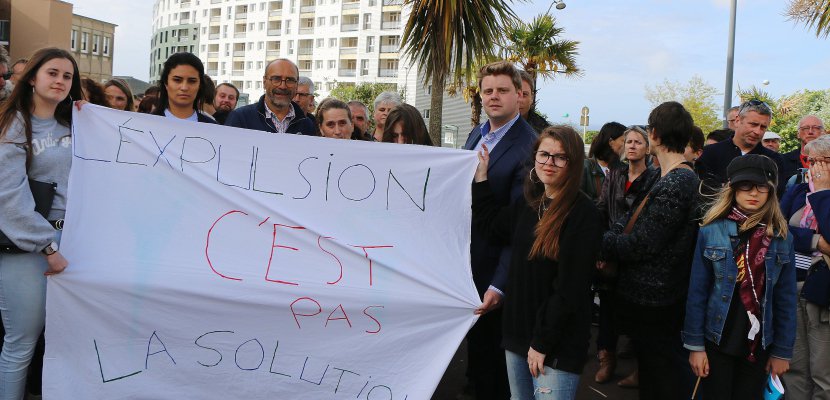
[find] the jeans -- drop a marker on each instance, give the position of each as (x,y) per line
(553,385)
(23,306)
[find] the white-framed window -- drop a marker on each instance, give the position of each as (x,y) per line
(259,65)
(332,64)
(332,42)
(290,47)
(426,113)
(73,40)
(370,44)
(320,42)
(364,67)
(318,64)
(260,45)
(321,21)
(106,45)
(335,20)
(367,21)
(84,41)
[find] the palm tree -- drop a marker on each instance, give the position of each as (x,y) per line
(446,36)
(537,47)
(813,13)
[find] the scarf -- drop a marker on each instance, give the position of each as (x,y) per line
(749,257)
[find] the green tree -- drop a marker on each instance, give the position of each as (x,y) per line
(365,92)
(697,96)
(538,48)
(443,36)
(815,14)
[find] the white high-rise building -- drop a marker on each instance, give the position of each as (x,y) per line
(331,41)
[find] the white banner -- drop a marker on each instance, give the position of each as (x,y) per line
(208,262)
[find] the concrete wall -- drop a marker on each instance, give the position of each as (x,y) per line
(38,23)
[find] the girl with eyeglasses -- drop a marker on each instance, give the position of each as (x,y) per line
(740,322)
(806,207)
(35,143)
(554,233)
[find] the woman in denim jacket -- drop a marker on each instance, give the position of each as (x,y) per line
(740,313)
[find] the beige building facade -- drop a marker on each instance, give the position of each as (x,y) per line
(35,24)
(91,42)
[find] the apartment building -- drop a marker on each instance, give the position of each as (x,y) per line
(331,41)
(91,43)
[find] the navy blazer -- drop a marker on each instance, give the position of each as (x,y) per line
(794,200)
(509,163)
(253,116)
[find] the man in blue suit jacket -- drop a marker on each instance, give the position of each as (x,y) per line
(509,139)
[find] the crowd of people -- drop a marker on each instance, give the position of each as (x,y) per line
(709,255)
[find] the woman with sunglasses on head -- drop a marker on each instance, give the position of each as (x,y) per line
(806,207)
(740,322)
(35,143)
(555,234)
(623,190)
(183,89)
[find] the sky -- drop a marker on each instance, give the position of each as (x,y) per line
(625,46)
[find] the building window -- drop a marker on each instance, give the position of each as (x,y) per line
(332,42)
(290,47)
(367,21)
(319,43)
(259,65)
(426,114)
(364,67)
(370,44)
(321,21)
(73,40)
(332,64)
(318,64)
(335,20)
(84,41)
(288,27)
(106,45)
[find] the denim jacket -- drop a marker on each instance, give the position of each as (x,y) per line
(712,284)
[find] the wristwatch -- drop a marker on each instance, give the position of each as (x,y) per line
(50,249)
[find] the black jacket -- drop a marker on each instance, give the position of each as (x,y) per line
(711,166)
(615,202)
(253,116)
(546,303)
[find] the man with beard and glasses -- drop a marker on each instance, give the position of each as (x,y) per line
(224,101)
(275,112)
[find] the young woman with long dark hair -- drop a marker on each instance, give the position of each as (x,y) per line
(555,234)
(183,89)
(35,143)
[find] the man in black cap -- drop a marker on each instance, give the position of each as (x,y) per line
(754,117)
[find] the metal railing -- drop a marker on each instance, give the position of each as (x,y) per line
(390,25)
(388,73)
(348,27)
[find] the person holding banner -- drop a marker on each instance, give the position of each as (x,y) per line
(183,89)
(35,145)
(555,233)
(740,319)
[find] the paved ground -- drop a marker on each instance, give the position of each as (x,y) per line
(454,380)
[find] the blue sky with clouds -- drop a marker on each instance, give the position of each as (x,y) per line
(625,46)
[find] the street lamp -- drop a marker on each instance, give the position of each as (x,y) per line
(730,63)
(560,4)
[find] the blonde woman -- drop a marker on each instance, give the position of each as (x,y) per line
(740,314)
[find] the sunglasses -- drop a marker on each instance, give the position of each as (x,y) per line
(748,186)
(758,104)
(7,75)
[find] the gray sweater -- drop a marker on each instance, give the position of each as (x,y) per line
(52,157)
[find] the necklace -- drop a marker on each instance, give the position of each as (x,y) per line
(543,206)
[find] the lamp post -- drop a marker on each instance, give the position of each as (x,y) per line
(730,63)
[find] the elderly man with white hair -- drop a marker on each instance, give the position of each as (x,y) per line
(810,127)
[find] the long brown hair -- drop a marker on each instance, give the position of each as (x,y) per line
(549,227)
(22,97)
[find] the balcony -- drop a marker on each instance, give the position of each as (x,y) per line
(304,72)
(348,50)
(274,13)
(239,72)
(348,72)
(241,15)
(213,36)
(306,31)
(213,72)
(274,32)
(305,51)
(184,4)
(348,27)
(307,9)
(215,18)
(239,53)
(390,25)
(390,48)
(272,53)
(213,54)
(215,1)
(240,35)
(388,73)
(351,5)
(184,21)
(392,2)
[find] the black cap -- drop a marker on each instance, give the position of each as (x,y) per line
(752,168)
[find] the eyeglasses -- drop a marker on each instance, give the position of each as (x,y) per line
(7,75)
(276,80)
(748,186)
(755,104)
(811,128)
(305,94)
(559,160)
(813,160)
